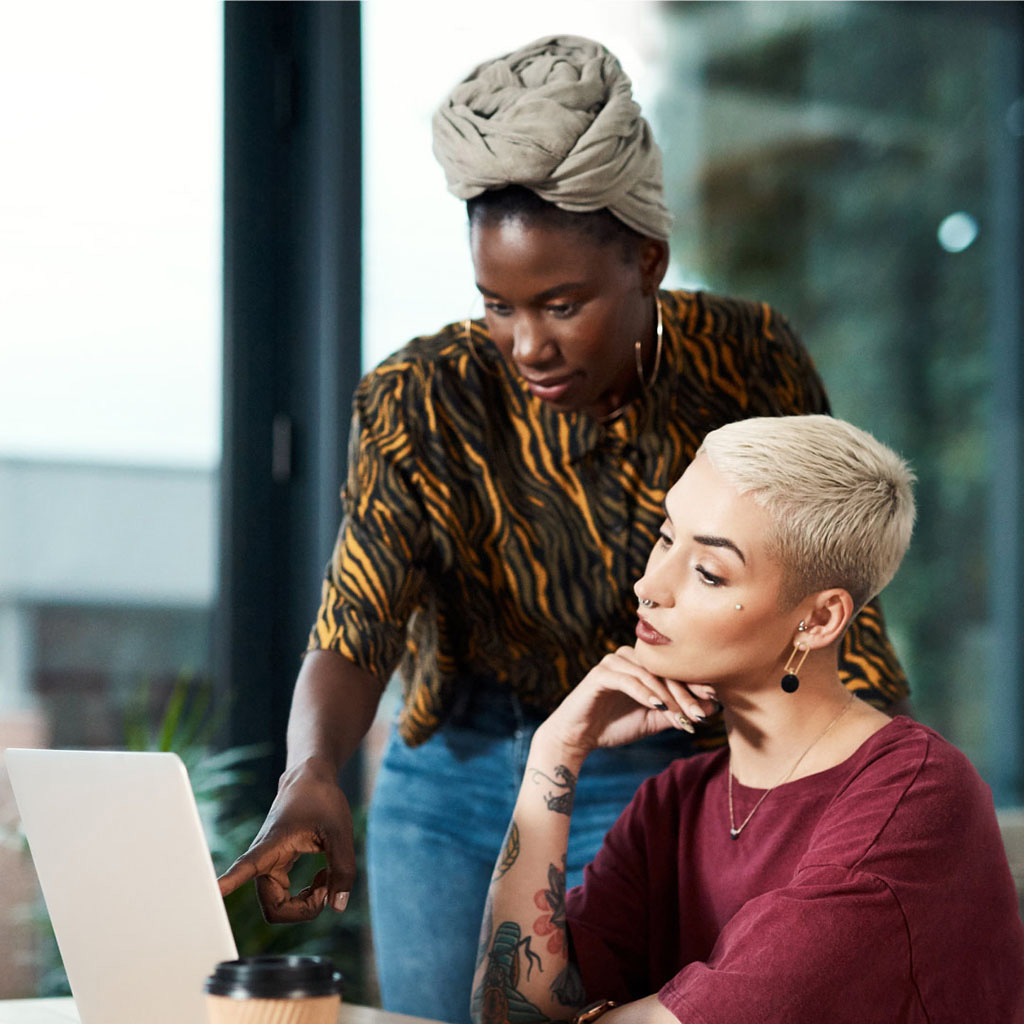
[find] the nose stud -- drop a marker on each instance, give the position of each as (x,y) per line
(646,603)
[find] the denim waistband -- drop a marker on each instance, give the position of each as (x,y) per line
(486,706)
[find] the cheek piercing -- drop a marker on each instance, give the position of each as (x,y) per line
(739,607)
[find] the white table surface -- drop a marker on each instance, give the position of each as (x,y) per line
(38,1011)
(62,1011)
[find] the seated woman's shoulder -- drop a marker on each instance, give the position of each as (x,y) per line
(906,746)
(907,798)
(919,772)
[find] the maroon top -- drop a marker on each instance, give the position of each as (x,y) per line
(877,890)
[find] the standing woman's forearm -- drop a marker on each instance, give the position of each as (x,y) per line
(333,707)
(523,966)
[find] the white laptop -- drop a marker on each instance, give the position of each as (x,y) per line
(128,881)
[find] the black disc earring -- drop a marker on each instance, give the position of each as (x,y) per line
(790,680)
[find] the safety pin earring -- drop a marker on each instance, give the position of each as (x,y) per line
(790,681)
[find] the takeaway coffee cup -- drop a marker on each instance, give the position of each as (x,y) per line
(274,990)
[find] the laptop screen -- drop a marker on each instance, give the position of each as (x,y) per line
(127,878)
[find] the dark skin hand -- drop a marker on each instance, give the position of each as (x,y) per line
(332,708)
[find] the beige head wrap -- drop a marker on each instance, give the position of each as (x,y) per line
(558,117)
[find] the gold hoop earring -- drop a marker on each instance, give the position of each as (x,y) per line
(638,350)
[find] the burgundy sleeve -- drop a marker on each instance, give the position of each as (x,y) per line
(832,946)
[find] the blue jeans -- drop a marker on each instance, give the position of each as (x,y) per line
(437,821)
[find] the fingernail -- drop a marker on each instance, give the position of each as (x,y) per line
(340,900)
(658,704)
(683,723)
(696,712)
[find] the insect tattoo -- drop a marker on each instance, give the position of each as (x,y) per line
(565,785)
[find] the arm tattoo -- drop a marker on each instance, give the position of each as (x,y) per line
(510,851)
(498,1000)
(560,803)
(567,988)
(552,900)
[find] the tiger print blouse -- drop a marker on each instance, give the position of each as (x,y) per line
(487,536)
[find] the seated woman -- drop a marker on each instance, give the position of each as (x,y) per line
(832,864)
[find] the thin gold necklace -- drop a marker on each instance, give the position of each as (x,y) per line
(734,832)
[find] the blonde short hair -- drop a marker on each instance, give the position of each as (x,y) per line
(841,503)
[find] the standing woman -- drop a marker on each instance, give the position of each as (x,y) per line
(506,481)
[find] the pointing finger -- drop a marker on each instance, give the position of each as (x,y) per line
(243,870)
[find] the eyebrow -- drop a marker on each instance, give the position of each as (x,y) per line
(720,542)
(548,293)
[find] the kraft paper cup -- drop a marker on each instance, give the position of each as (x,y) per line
(274,990)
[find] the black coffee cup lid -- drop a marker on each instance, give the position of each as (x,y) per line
(275,977)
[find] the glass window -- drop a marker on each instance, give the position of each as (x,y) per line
(109,334)
(110,200)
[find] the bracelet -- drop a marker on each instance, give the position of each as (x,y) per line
(592,1011)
